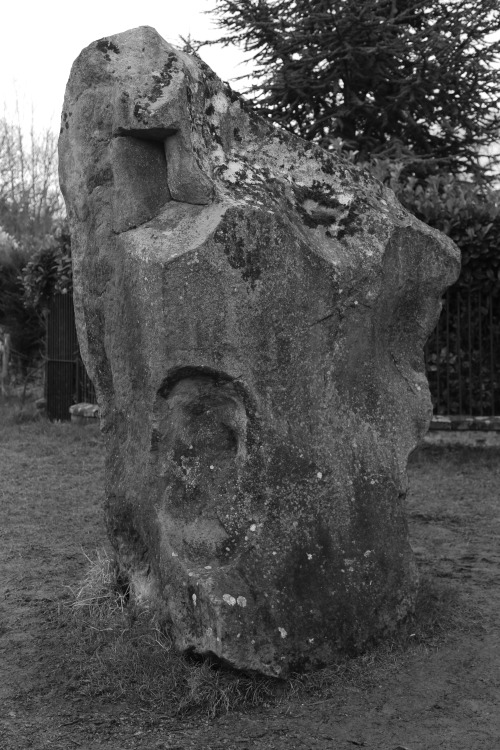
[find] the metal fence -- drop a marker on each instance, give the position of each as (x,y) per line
(462,355)
(66,380)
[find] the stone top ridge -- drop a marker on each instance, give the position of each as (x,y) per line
(135,85)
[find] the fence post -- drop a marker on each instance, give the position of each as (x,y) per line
(4,376)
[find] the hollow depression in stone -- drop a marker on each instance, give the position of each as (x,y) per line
(252,311)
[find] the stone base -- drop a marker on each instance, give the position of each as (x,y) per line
(84,414)
(464,430)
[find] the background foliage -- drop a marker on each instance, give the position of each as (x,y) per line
(24,323)
(49,270)
(32,237)
(412,79)
(463,355)
(30,200)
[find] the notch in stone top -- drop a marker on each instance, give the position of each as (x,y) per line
(186,180)
(140,181)
(152,166)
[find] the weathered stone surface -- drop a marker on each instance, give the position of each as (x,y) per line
(84,413)
(252,311)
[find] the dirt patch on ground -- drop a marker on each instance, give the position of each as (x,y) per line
(420,692)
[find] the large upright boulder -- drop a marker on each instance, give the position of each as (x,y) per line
(252,311)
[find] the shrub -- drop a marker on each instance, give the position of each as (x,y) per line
(462,361)
(24,323)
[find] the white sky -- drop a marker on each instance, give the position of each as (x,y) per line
(40,39)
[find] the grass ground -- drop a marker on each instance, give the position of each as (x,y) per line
(81,669)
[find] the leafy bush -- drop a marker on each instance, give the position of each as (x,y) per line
(463,356)
(470,215)
(24,323)
(49,271)
(27,282)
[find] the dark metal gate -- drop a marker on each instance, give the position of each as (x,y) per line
(462,355)
(66,381)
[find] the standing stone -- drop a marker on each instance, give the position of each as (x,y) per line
(252,311)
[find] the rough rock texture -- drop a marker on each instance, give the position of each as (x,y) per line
(252,311)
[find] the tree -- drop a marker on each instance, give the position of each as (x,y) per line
(49,270)
(463,355)
(30,199)
(28,280)
(23,323)
(30,210)
(403,79)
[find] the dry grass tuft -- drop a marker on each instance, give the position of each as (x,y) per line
(122,652)
(99,593)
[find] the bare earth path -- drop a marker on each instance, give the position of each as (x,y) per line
(441,694)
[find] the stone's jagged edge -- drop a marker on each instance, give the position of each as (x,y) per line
(252,312)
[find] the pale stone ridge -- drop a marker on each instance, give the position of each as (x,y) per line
(252,311)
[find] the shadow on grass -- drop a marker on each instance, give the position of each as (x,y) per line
(454,455)
(438,614)
(121,653)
